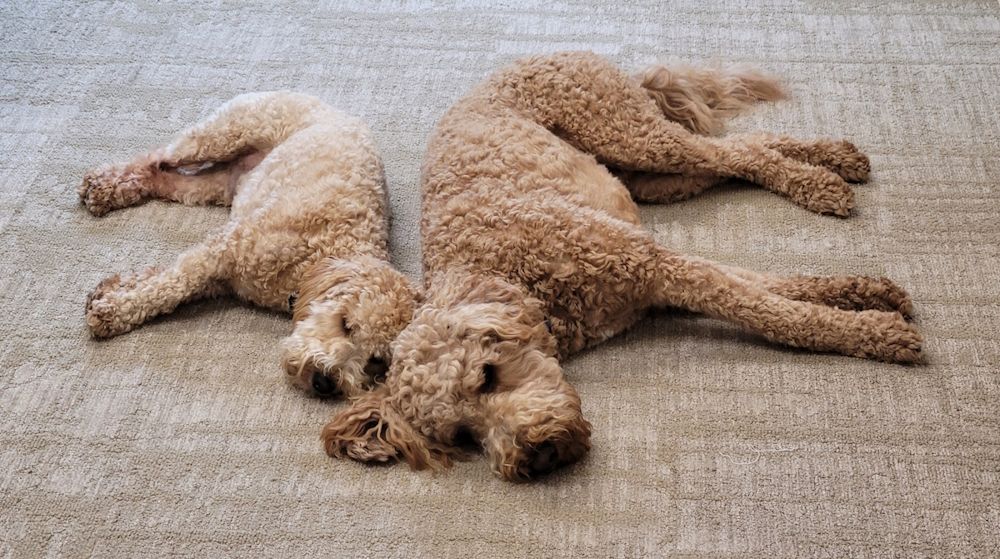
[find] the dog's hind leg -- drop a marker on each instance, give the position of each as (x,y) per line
(700,98)
(248,123)
(657,188)
(203,164)
(659,146)
(839,156)
(122,302)
(664,147)
(630,132)
(704,287)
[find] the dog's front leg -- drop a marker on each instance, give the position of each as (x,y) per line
(122,302)
(708,288)
(853,293)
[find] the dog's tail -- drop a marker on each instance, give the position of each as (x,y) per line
(700,99)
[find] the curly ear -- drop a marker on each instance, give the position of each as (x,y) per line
(502,322)
(450,290)
(370,430)
(494,307)
(522,322)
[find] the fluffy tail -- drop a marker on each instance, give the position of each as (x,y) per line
(700,99)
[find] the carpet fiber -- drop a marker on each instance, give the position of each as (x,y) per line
(183,438)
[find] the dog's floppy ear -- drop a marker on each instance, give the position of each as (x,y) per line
(370,430)
(450,290)
(493,307)
(378,276)
(317,280)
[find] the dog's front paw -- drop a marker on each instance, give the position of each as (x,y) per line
(825,193)
(102,309)
(112,187)
(108,310)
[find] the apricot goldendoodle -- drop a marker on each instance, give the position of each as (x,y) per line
(307,233)
(533,250)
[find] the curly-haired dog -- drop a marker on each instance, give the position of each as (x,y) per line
(533,250)
(307,233)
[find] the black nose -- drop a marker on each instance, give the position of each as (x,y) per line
(544,459)
(376,369)
(323,385)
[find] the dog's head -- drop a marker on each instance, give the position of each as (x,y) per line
(476,362)
(346,314)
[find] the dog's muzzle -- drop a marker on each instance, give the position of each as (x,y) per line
(542,459)
(323,385)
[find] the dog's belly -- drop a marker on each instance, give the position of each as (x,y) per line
(298,204)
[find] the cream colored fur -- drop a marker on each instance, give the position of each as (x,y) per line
(307,220)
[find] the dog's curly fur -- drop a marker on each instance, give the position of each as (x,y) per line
(533,250)
(308,220)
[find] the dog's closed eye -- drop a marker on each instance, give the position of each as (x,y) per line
(489,383)
(344,326)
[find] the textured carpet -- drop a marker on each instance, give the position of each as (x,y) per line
(182,437)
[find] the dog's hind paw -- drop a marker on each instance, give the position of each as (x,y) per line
(890,338)
(884,295)
(845,159)
(859,293)
(904,346)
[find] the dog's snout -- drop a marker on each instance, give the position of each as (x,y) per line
(323,385)
(543,459)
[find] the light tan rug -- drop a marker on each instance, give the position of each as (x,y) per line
(182,437)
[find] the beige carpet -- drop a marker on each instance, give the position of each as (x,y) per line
(183,439)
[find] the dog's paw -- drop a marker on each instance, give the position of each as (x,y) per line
(824,193)
(112,187)
(108,310)
(847,161)
(861,293)
(883,294)
(903,345)
(102,309)
(892,339)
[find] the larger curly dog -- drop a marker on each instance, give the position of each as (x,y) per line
(533,250)
(307,233)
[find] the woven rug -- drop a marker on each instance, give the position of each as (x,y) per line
(182,437)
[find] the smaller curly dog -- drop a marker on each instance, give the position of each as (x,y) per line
(308,233)
(533,250)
